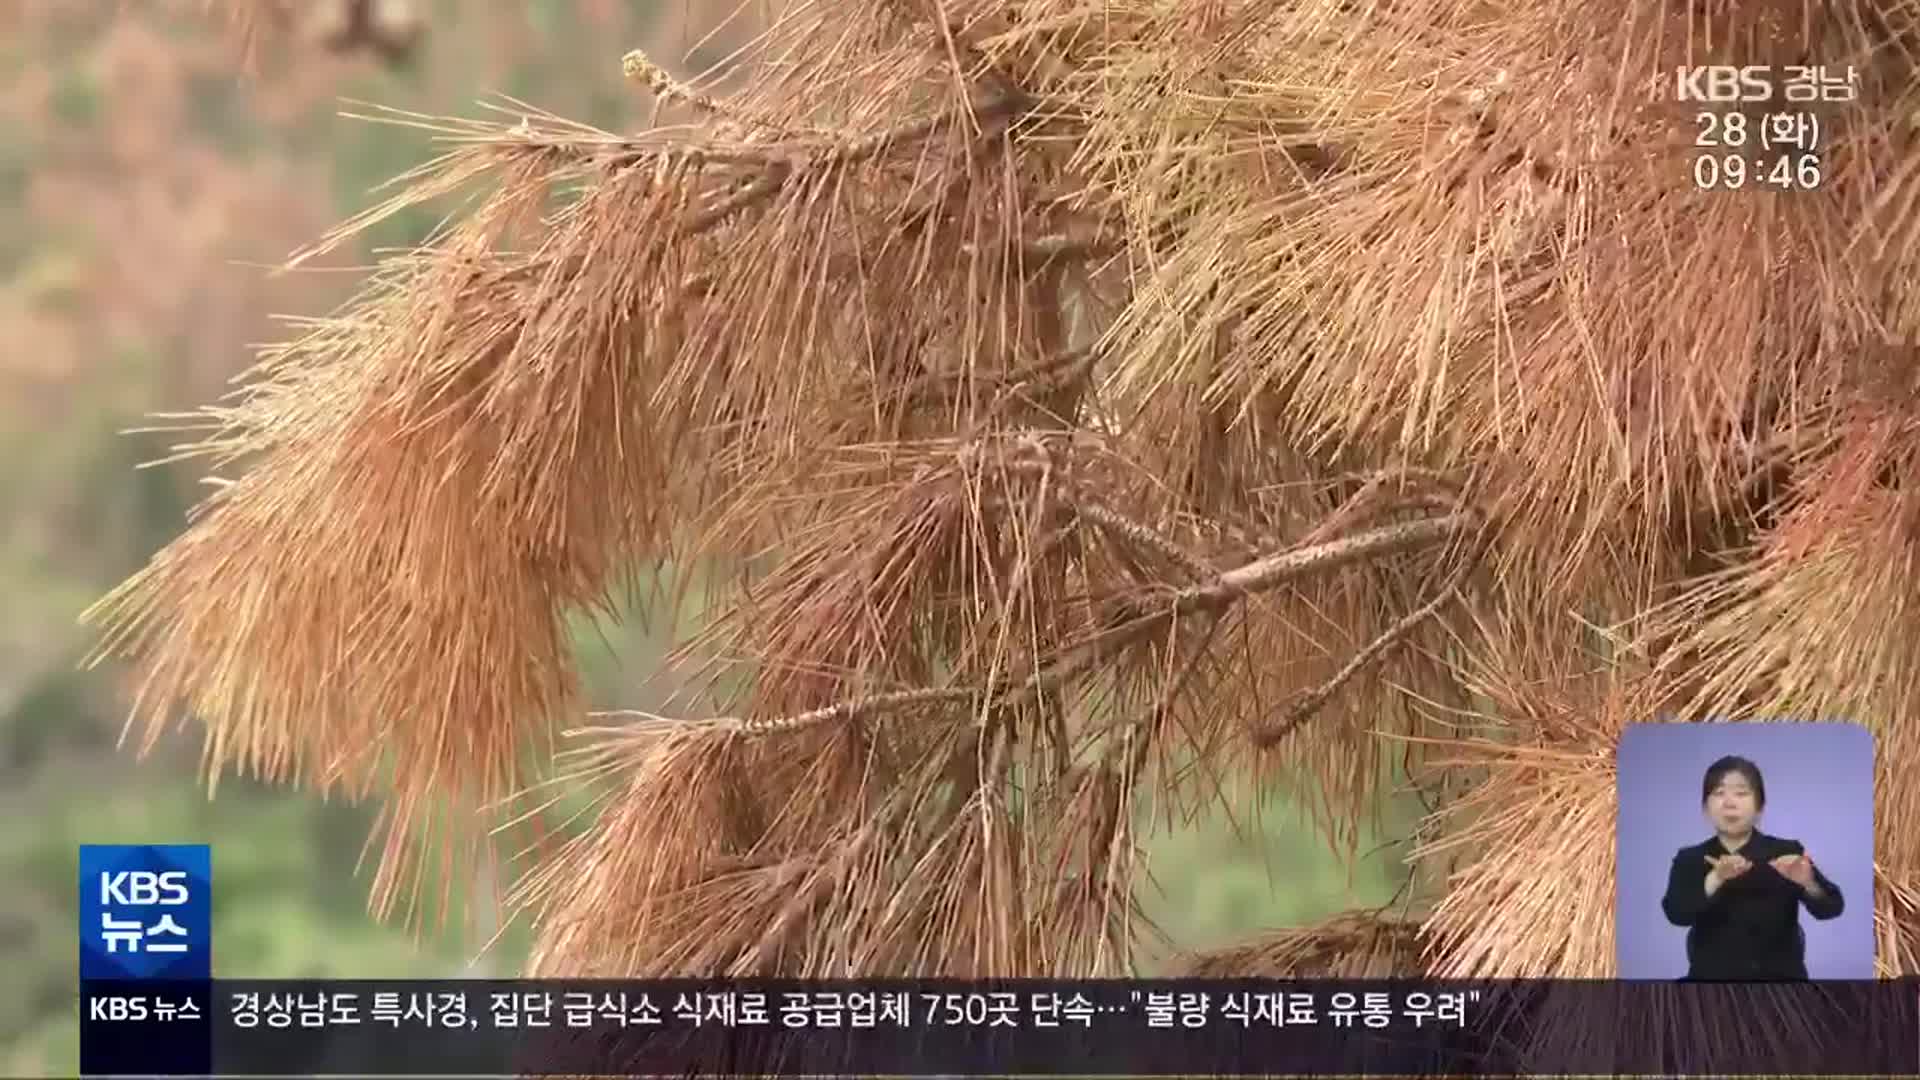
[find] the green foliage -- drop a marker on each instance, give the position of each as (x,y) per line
(218,107)
(1218,879)
(76,98)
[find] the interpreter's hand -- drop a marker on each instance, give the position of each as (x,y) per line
(1727,867)
(1796,868)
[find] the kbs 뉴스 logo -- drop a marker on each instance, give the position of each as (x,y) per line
(145,911)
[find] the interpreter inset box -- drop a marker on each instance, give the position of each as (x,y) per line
(1745,852)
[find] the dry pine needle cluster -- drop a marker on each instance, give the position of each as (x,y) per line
(1075,409)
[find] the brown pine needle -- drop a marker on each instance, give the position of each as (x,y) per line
(1224,588)
(955,349)
(1307,704)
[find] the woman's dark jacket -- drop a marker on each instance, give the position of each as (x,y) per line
(1749,929)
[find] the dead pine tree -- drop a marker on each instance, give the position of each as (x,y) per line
(1071,410)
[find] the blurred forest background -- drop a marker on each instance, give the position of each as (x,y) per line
(149,177)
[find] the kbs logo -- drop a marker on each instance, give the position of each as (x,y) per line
(167,889)
(145,912)
(1721,83)
(117,1008)
(133,1030)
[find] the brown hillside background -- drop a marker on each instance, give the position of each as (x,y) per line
(1039,420)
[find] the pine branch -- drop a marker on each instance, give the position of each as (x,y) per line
(1106,517)
(1306,705)
(941,386)
(1072,244)
(844,710)
(784,163)
(824,882)
(558,143)
(1266,574)
(779,169)
(957,42)
(640,68)
(1382,492)
(1212,597)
